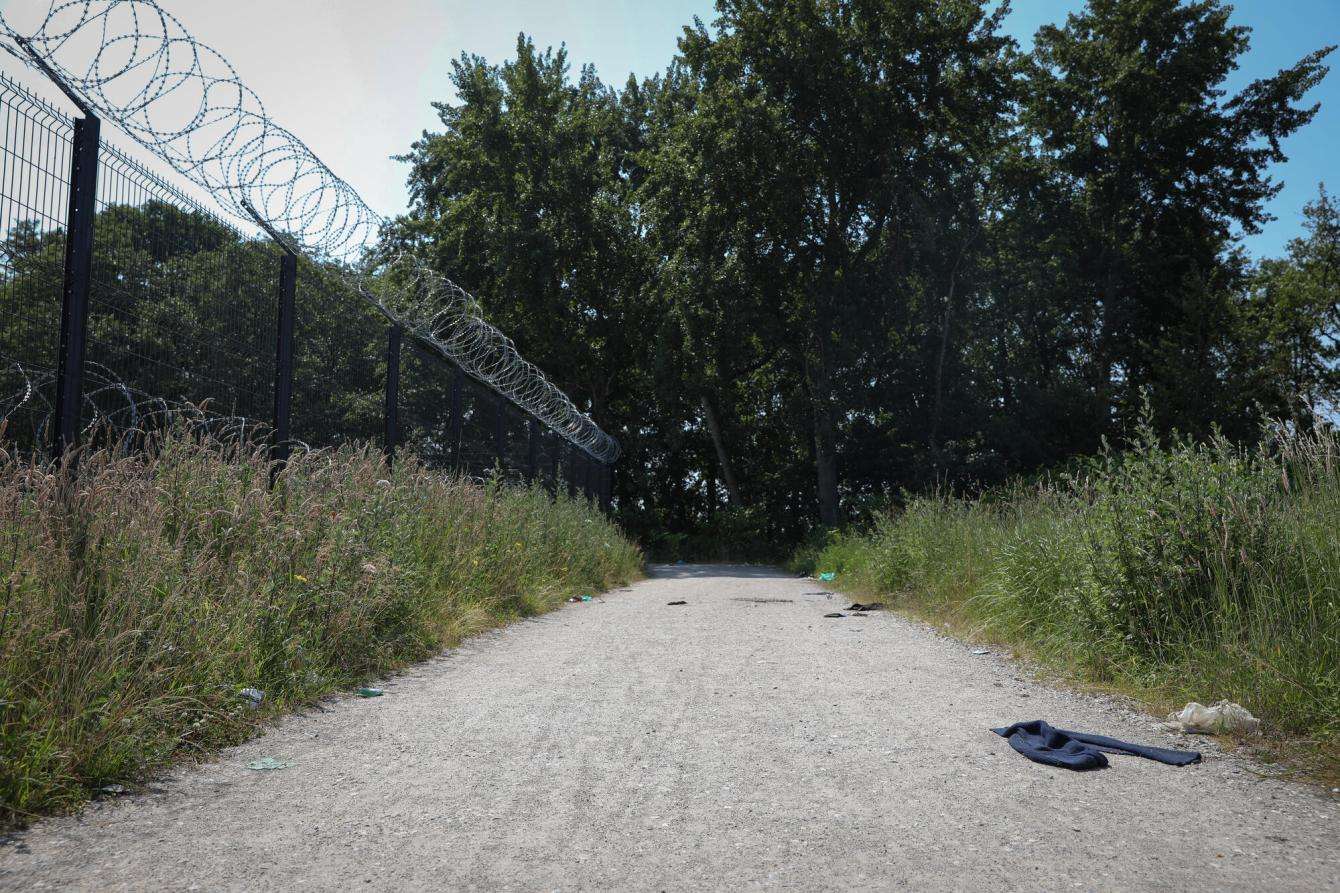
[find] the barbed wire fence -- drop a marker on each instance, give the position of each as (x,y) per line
(147,287)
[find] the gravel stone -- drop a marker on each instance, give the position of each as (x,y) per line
(624,744)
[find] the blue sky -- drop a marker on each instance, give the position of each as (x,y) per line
(355,78)
(1283,31)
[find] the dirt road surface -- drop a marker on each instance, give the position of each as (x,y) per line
(741,741)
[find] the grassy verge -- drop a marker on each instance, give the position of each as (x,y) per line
(1189,572)
(141,594)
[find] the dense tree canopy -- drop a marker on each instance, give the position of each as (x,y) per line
(844,247)
(837,249)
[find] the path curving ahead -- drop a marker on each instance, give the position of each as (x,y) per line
(739,741)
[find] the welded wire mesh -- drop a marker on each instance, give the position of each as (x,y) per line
(183,326)
(34,195)
(339,361)
(137,65)
(490,438)
(181,305)
(428,426)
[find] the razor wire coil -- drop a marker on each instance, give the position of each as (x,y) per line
(135,64)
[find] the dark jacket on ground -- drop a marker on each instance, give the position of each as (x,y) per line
(1080,750)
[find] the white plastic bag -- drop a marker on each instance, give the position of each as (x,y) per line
(1224,718)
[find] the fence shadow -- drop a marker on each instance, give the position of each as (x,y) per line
(732,571)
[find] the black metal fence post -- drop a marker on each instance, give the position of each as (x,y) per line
(78,273)
(283,433)
(532,450)
(554,455)
(500,431)
(456,423)
(281,448)
(393,338)
(572,472)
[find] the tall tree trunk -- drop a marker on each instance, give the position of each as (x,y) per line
(945,324)
(723,460)
(825,439)
(938,412)
(818,369)
(1111,322)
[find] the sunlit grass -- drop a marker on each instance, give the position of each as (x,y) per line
(1186,572)
(141,593)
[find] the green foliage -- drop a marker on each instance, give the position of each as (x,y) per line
(183,309)
(1191,520)
(840,249)
(732,534)
(526,197)
(1183,571)
(142,593)
(1287,355)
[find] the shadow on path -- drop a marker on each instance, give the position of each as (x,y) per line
(737,571)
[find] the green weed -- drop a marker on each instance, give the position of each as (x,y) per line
(1191,571)
(142,592)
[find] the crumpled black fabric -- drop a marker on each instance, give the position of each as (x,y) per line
(1081,751)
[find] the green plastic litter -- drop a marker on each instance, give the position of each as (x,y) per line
(828,576)
(267,764)
(370,692)
(586,598)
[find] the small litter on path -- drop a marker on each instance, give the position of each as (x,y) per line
(269,764)
(980,651)
(253,696)
(765,601)
(857,606)
(836,614)
(1224,718)
(580,598)
(114,789)
(828,576)
(676,603)
(370,692)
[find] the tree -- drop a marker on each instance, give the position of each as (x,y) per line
(525,198)
(182,310)
(1289,355)
(1161,167)
(844,247)
(839,135)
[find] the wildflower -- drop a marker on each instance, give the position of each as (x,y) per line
(300,578)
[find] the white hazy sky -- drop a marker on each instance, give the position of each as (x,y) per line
(354,78)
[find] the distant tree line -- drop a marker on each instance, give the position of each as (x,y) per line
(844,247)
(838,249)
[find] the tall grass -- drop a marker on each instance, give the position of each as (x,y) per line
(141,593)
(1195,571)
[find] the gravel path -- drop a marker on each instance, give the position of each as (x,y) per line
(741,740)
